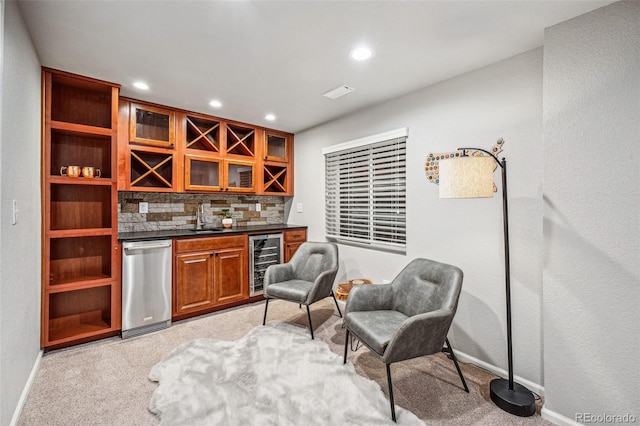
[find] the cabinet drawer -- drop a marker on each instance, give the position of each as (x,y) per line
(210,243)
(297,235)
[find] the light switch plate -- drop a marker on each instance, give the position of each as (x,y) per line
(299,208)
(143,207)
(258,207)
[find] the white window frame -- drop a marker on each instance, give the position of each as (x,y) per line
(384,226)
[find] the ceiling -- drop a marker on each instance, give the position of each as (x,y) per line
(279,57)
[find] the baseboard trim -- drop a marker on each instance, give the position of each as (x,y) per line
(534,387)
(26,390)
(556,418)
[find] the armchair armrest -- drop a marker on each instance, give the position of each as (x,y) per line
(322,286)
(278,273)
(419,335)
(374,297)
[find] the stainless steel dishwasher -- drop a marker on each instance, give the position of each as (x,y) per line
(146,287)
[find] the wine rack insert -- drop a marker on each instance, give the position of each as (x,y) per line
(203,134)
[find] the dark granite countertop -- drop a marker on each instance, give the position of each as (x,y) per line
(181,233)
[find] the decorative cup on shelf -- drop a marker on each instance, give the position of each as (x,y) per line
(91,172)
(71,171)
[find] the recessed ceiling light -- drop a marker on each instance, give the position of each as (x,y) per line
(361,53)
(270,117)
(215,103)
(141,85)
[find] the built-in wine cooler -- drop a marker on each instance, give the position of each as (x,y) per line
(264,250)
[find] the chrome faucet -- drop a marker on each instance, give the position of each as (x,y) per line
(200,216)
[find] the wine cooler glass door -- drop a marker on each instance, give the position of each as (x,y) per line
(265,250)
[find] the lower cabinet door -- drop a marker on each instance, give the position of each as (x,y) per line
(194,282)
(231,275)
(289,250)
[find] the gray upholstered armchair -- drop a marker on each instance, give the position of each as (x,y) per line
(307,278)
(409,317)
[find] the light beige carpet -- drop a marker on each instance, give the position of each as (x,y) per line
(106,382)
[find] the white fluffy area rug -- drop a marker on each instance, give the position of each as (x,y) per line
(275,375)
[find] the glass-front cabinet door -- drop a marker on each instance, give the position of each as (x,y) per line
(239,176)
(202,173)
(276,146)
(211,174)
(149,125)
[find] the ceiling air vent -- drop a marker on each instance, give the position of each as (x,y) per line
(338,91)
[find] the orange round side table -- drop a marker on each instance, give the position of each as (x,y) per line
(342,293)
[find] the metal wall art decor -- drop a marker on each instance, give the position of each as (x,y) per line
(431,167)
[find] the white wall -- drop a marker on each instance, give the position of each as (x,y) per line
(592,213)
(475,109)
(2,205)
(20,253)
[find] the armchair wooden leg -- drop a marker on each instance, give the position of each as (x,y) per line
(310,324)
(266,306)
(393,407)
(336,302)
(346,345)
(452,355)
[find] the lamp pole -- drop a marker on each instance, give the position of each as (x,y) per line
(507,268)
(509,396)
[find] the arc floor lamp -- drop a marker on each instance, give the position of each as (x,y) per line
(471,176)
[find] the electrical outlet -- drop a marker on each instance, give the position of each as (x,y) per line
(143,207)
(299,208)
(258,207)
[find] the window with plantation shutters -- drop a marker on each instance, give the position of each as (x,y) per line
(365,191)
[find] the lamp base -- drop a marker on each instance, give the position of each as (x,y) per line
(519,401)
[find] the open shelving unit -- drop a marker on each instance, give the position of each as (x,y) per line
(80,274)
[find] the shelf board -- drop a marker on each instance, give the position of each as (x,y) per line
(79,283)
(66,180)
(74,327)
(80,128)
(88,232)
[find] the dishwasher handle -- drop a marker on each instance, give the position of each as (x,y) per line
(147,247)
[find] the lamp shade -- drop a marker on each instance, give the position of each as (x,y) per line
(467,177)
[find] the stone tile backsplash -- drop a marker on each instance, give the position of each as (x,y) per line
(178,211)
